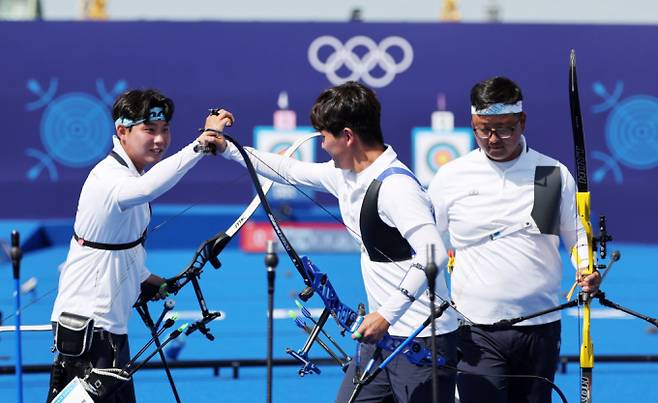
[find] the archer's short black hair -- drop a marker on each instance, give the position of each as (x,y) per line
(351,105)
(136,104)
(495,90)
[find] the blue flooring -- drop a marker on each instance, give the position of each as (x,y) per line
(238,289)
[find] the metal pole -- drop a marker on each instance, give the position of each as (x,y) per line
(16,255)
(431,271)
(271,261)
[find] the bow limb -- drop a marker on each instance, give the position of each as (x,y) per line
(212,247)
(583,207)
(292,253)
(319,283)
(315,281)
(266,184)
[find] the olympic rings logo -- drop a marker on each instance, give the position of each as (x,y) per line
(376,55)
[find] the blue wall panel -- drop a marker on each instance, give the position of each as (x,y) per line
(57,80)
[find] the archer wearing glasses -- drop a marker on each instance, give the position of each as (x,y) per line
(503,133)
(505,208)
(499,136)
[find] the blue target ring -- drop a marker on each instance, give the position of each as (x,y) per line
(440,154)
(632,132)
(76,129)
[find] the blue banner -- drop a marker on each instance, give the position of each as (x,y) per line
(58,80)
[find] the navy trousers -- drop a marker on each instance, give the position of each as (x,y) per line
(402,381)
(521,350)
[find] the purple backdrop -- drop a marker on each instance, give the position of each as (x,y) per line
(56,80)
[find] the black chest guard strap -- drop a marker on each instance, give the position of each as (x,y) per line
(114,246)
(382,242)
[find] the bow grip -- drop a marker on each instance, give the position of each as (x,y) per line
(215,249)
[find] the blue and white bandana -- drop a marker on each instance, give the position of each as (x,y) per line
(499,109)
(156,113)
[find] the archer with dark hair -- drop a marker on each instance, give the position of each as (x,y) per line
(495,90)
(389,214)
(505,208)
(136,105)
(106,263)
(352,106)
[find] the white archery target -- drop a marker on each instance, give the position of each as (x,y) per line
(433,148)
(268,139)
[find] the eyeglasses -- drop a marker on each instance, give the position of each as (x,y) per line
(502,133)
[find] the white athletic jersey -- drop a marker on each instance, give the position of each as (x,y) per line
(402,204)
(113,208)
(516,274)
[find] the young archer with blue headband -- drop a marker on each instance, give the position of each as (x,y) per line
(105,267)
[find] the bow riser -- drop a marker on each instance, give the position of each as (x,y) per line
(344,315)
(349,321)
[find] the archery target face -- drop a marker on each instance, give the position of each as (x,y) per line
(432,149)
(268,139)
(76,129)
(632,132)
(439,154)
